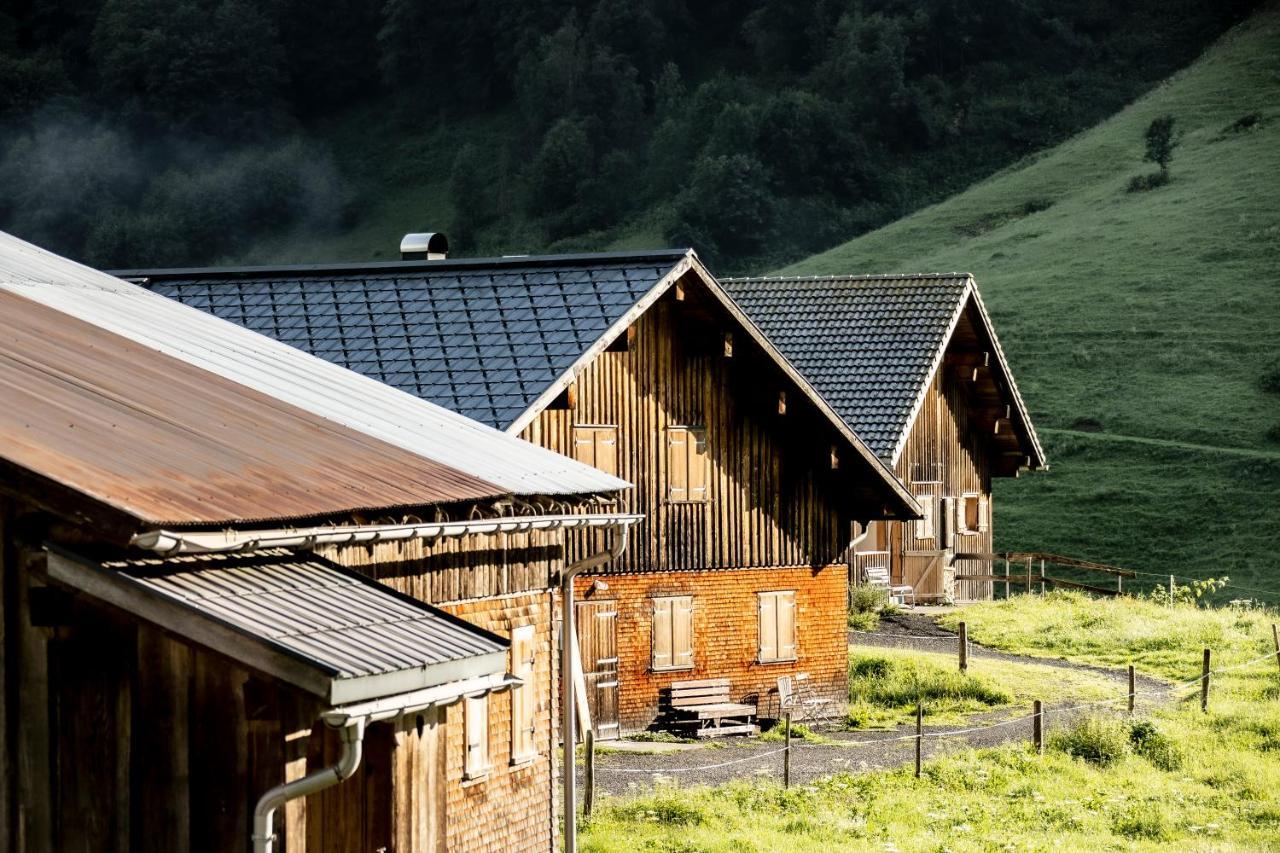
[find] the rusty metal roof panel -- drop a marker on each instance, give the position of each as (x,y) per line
(289,379)
(169,443)
(369,639)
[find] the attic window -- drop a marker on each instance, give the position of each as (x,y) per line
(924,526)
(597,446)
(686,464)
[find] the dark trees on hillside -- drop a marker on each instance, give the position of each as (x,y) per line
(147,131)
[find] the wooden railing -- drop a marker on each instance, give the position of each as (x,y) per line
(1033,575)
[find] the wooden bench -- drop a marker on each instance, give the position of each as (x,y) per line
(707,705)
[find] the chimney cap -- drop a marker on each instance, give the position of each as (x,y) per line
(427,245)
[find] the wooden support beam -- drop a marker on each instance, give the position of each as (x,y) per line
(571,396)
(624,342)
(679,291)
(970,359)
(835,457)
(728,344)
(782,402)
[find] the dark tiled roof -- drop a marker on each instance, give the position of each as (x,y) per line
(481,337)
(867,344)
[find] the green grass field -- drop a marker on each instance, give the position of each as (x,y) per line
(1153,315)
(1191,781)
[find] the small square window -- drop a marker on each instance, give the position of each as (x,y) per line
(686,464)
(673,632)
(777,626)
(476,713)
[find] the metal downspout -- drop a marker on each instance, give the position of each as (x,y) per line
(264,836)
(567,709)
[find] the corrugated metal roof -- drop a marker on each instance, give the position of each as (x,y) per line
(868,344)
(368,638)
(482,337)
(169,443)
(291,376)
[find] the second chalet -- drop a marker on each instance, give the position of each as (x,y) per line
(912,365)
(733,590)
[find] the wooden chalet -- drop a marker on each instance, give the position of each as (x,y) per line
(639,365)
(913,366)
(235,574)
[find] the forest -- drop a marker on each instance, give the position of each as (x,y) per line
(179,132)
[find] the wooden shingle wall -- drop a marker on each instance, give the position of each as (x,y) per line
(726,634)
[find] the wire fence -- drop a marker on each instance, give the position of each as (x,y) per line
(1036,717)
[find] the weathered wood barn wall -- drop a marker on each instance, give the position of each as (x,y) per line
(774,512)
(115,736)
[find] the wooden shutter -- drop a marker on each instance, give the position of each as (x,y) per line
(768,620)
(677,464)
(697,465)
(662,653)
(682,631)
(606,449)
(523,704)
(786,607)
(673,632)
(476,760)
(597,446)
(984,514)
(925,526)
(584,445)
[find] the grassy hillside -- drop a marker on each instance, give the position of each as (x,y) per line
(1144,327)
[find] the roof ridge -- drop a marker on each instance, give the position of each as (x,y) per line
(920,276)
(402,266)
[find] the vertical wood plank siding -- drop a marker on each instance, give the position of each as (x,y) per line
(769,501)
(945,446)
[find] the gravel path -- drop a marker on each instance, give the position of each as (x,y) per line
(624,774)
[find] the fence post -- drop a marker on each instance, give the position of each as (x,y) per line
(1028,575)
(1006,577)
(919,736)
(1170,590)
(786,753)
(1042,577)
(1133,688)
(1119,584)
(1204,684)
(1275,635)
(1037,726)
(964,647)
(589,795)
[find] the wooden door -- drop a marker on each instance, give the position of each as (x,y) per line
(598,647)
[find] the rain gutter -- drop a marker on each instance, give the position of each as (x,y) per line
(169,542)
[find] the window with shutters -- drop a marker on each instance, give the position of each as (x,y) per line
(972,513)
(673,632)
(476,761)
(777,626)
(686,464)
(523,698)
(925,525)
(597,446)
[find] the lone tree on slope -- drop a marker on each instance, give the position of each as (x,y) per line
(1160,142)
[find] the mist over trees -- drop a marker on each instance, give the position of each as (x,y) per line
(141,132)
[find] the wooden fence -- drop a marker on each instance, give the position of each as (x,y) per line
(1033,575)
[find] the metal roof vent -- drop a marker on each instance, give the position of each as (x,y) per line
(424,247)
